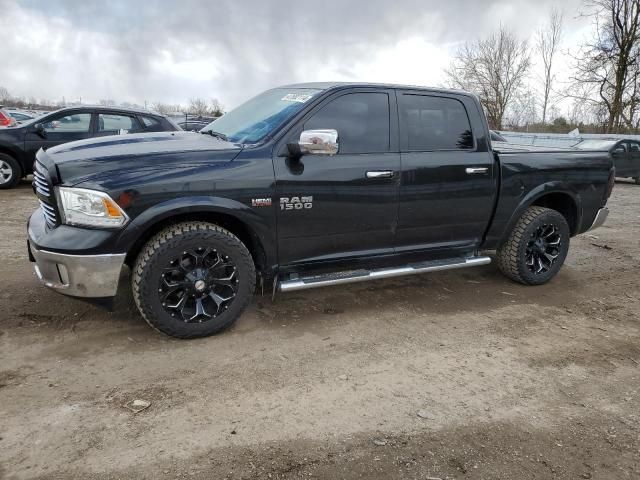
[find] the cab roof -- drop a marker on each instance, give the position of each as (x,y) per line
(339,85)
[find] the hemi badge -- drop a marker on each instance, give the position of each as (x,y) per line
(260,202)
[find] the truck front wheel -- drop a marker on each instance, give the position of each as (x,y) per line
(193,280)
(536,247)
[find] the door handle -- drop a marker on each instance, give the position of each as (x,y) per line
(380,174)
(477,170)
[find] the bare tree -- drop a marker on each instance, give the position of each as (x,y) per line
(609,65)
(4,95)
(162,108)
(494,69)
(216,108)
(547,43)
(198,106)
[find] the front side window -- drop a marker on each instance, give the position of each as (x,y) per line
(434,123)
(259,117)
(361,119)
(74,123)
(634,147)
(620,149)
(108,122)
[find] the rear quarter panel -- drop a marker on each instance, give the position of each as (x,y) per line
(527,176)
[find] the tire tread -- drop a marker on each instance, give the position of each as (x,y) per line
(507,254)
(165,238)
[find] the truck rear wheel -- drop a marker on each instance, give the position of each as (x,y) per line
(193,280)
(536,247)
(10,171)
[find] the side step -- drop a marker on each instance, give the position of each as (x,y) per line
(353,276)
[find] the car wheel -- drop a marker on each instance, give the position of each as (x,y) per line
(10,171)
(536,247)
(193,280)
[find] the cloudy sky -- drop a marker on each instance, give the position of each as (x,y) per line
(169,51)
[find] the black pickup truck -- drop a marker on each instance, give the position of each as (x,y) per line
(305,186)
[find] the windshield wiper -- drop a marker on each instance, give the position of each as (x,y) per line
(219,135)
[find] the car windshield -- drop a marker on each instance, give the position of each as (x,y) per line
(596,144)
(258,117)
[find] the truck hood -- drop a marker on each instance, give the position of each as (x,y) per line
(79,161)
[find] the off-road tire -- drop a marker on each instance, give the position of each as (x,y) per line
(511,255)
(15,167)
(146,276)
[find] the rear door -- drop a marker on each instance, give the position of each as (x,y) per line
(448,181)
(345,205)
(60,128)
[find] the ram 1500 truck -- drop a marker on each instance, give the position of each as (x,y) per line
(305,186)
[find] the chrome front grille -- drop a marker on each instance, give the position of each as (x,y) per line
(43,190)
(49,214)
(40,183)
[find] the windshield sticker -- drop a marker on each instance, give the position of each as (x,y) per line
(296,97)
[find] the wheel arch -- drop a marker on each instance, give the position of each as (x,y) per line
(556,196)
(242,222)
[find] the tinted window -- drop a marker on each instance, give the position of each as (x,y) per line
(108,122)
(150,122)
(622,148)
(634,147)
(20,117)
(361,119)
(77,122)
(434,123)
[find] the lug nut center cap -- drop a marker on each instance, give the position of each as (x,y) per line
(200,285)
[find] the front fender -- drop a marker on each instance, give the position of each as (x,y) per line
(195,205)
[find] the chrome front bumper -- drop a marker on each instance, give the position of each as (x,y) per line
(79,275)
(601,217)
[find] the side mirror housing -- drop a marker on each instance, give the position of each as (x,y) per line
(39,129)
(315,142)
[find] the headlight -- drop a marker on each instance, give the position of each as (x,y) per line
(91,208)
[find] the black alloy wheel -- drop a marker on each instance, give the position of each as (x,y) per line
(543,249)
(198,285)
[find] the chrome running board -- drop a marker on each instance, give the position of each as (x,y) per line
(354,276)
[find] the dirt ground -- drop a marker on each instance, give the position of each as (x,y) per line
(453,375)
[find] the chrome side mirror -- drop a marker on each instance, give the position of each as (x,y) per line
(315,142)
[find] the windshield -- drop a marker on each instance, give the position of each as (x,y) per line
(596,144)
(258,117)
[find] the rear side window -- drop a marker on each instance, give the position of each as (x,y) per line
(150,122)
(361,119)
(434,123)
(108,122)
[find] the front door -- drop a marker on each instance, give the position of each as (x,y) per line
(343,205)
(59,128)
(620,155)
(448,183)
(633,164)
